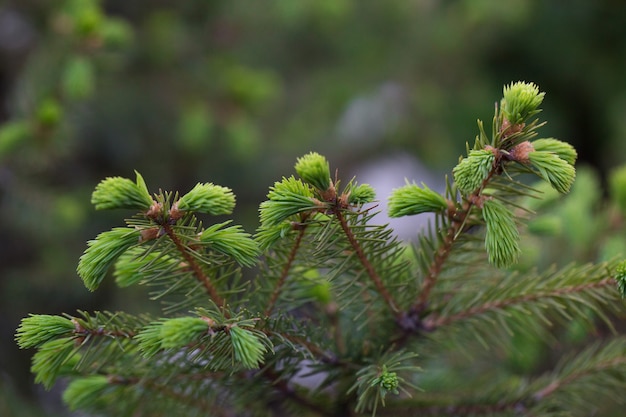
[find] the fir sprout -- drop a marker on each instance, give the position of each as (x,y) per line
(208,198)
(102,252)
(286,198)
(412,199)
(40,328)
(266,235)
(521,101)
(314,169)
(556,171)
(248,349)
(502,236)
(118,192)
(361,194)
(375,381)
(563,150)
(51,359)
(231,241)
(472,171)
(181,331)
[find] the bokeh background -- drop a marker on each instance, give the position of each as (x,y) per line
(233,91)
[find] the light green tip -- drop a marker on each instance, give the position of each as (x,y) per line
(521,100)
(314,169)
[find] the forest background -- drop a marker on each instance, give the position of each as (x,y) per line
(232,92)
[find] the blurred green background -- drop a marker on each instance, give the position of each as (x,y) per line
(232,91)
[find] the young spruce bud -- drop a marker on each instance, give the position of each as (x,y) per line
(521,101)
(102,252)
(502,237)
(314,169)
(247,347)
(470,173)
(117,192)
(361,194)
(411,199)
(207,198)
(563,150)
(40,328)
(556,171)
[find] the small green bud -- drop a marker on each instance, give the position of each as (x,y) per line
(286,198)
(411,199)
(553,169)
(563,150)
(267,235)
(208,198)
(231,241)
(388,381)
(51,360)
(521,100)
(102,252)
(117,192)
(40,328)
(470,173)
(502,237)
(617,188)
(248,349)
(620,278)
(314,169)
(361,194)
(182,331)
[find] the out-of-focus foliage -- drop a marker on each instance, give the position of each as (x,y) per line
(231,91)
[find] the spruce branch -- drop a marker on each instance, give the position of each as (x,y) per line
(285,272)
(363,259)
(192,263)
(565,292)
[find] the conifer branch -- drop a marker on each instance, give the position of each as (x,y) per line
(560,383)
(369,268)
(195,267)
(432,323)
(166,391)
(459,223)
(285,272)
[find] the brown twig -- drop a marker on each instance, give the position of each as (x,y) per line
(459,219)
(195,267)
(285,272)
(369,268)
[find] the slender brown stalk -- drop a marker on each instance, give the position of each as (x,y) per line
(369,268)
(195,267)
(458,219)
(284,273)
(432,323)
(440,258)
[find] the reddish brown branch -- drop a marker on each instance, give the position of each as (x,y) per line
(285,272)
(459,219)
(369,268)
(195,267)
